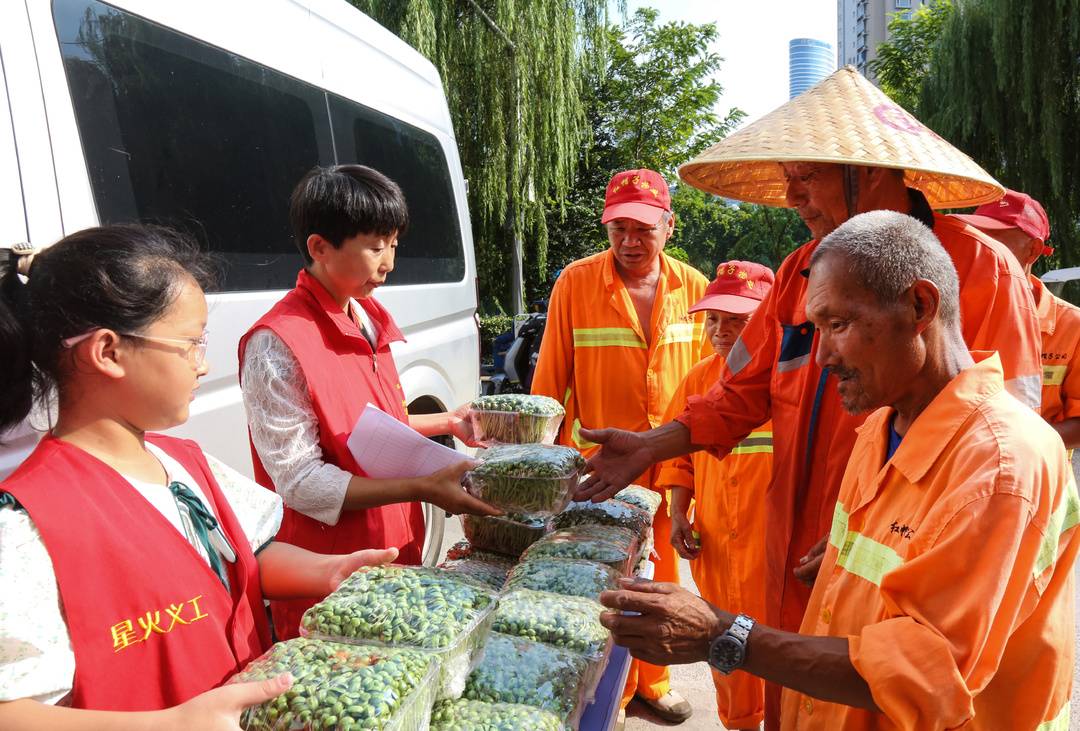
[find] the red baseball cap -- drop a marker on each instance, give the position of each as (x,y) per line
(739,287)
(638,194)
(1013,210)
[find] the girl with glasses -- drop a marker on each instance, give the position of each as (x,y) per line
(131,581)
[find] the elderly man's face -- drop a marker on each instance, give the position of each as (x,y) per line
(637,245)
(870,347)
(816,191)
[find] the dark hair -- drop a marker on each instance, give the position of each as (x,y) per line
(342,201)
(122,277)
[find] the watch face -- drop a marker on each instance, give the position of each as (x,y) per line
(725,654)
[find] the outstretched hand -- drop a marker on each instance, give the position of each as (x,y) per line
(444,489)
(219,709)
(623,457)
(663,623)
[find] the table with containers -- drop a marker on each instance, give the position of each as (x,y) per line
(503,635)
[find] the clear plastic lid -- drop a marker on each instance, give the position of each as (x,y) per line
(508,535)
(469,715)
(567,622)
(641,497)
(619,548)
(337,686)
(526,478)
(609,512)
(515,419)
(563,576)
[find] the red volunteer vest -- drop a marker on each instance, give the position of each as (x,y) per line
(150,623)
(343,374)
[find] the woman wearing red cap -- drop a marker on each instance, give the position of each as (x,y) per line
(725,539)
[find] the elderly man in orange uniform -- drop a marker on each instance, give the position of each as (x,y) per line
(725,543)
(871,155)
(619,338)
(1019,222)
(945,597)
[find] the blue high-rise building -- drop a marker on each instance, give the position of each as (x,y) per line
(809,61)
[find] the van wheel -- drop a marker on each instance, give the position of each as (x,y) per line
(434,525)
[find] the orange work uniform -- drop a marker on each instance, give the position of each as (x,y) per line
(949,569)
(772,373)
(595,360)
(729,517)
(1059,323)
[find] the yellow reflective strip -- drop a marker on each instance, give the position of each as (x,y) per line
(864,557)
(753,449)
(1064,518)
(566,398)
(598,337)
(579,442)
(839,526)
(760,434)
(1053,375)
(681,332)
(1060,723)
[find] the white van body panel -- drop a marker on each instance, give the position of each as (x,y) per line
(325,43)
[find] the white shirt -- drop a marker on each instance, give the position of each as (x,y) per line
(284,428)
(36,657)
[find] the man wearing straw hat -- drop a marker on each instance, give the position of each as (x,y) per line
(839,149)
(619,339)
(1019,222)
(945,597)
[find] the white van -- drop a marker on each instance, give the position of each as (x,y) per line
(202,115)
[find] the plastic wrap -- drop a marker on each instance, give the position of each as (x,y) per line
(641,497)
(608,512)
(566,622)
(343,687)
(526,478)
(508,535)
(563,576)
(492,570)
(619,548)
(516,670)
(515,418)
(443,612)
(467,715)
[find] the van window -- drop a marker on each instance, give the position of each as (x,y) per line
(431,250)
(178,132)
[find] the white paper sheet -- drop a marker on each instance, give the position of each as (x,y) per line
(384,447)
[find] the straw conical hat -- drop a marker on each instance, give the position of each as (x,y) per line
(843,119)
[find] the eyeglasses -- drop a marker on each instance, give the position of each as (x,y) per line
(195,353)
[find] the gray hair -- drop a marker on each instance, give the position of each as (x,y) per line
(886,252)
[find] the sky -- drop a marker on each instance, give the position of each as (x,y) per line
(753,42)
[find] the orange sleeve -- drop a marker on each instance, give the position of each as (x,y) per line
(953,609)
(678,472)
(997,312)
(555,366)
(740,400)
(1070,387)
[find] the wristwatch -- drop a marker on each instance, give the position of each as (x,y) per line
(728,651)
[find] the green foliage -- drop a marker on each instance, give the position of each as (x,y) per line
(902,61)
(713,230)
(513,73)
(1004,86)
(652,106)
(658,101)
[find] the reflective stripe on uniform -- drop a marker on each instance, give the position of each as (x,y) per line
(1026,388)
(1053,375)
(599,337)
(758,442)
(864,557)
(681,332)
(1064,518)
(738,358)
(1060,723)
(575,435)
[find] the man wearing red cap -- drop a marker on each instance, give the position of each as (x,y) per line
(725,544)
(1019,222)
(619,339)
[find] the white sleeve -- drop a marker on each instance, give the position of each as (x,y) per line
(285,430)
(257,509)
(36,658)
